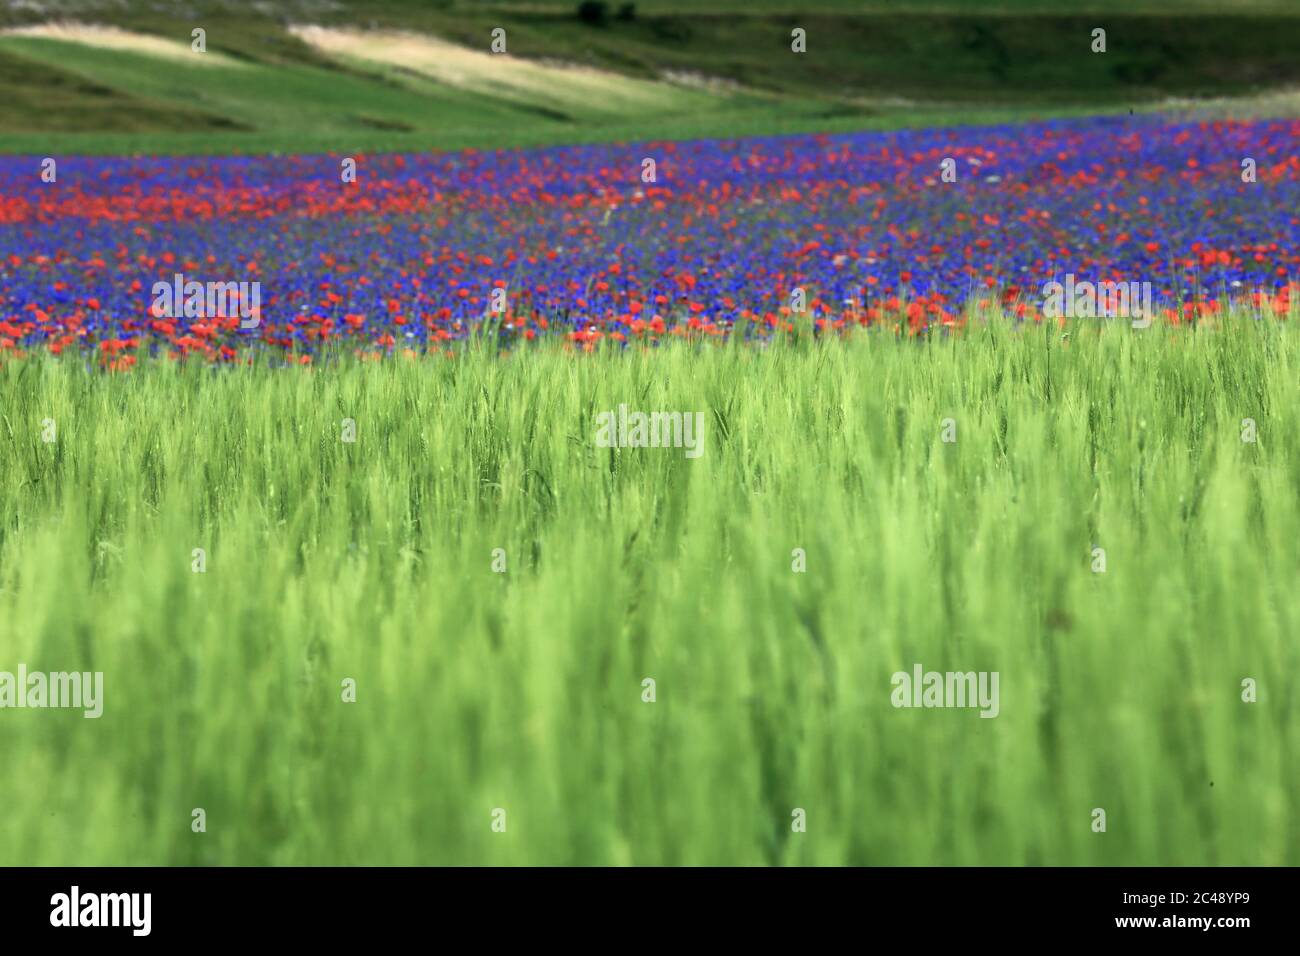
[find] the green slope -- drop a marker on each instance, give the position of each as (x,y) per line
(862,68)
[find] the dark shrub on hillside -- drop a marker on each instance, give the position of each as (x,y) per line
(594,12)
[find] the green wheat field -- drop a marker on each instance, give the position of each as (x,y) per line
(370,569)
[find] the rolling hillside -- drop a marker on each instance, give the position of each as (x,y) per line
(80,75)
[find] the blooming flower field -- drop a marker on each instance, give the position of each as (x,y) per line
(406,258)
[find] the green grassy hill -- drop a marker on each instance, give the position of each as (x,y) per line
(666,70)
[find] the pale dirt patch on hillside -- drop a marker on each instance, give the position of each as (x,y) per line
(112,38)
(540,83)
(1273,104)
